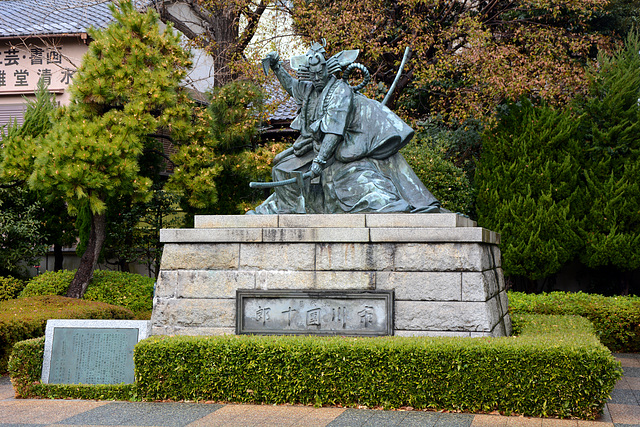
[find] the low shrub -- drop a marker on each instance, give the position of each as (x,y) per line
(556,367)
(441,176)
(10,288)
(25,367)
(616,319)
(26,318)
(132,291)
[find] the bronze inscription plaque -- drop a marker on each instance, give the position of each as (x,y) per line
(284,312)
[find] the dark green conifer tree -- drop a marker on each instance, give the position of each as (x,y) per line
(528,181)
(611,203)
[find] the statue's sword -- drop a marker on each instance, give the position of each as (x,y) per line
(299,178)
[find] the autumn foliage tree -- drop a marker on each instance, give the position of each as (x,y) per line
(126,88)
(468,55)
(223,28)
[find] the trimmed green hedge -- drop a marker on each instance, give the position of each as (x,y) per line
(25,318)
(557,367)
(129,290)
(616,319)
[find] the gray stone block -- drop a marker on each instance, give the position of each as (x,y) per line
(266,280)
(446,316)
(322,221)
(497,255)
(191,256)
(293,235)
(354,256)
(166,284)
(201,313)
(421,286)
(277,256)
(433,235)
(210,284)
(442,220)
(211,235)
(479,286)
(438,257)
(203,331)
(235,221)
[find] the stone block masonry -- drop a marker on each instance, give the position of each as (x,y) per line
(444,270)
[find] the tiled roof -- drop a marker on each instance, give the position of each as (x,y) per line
(285,106)
(44,17)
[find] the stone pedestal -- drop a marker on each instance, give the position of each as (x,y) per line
(444,270)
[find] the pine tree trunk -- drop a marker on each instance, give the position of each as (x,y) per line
(89,259)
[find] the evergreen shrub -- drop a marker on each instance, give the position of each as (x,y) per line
(26,318)
(447,182)
(616,319)
(10,288)
(129,290)
(534,374)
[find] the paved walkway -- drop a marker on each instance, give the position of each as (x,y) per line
(623,410)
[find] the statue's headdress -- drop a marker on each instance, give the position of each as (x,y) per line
(342,61)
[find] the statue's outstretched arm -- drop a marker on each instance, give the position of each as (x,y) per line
(285,79)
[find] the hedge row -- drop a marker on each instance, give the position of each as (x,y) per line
(616,319)
(25,318)
(557,367)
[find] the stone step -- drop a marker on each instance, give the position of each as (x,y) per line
(443,220)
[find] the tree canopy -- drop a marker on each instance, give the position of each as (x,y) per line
(468,55)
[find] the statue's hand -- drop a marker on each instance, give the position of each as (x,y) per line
(273,59)
(317,166)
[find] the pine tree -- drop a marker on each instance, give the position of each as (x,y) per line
(126,88)
(528,181)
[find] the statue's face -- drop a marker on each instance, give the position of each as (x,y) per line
(319,76)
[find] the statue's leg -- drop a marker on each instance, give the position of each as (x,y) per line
(359,186)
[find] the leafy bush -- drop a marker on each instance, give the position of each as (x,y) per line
(445,180)
(534,374)
(26,318)
(48,283)
(132,291)
(10,288)
(615,319)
